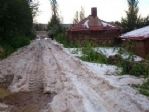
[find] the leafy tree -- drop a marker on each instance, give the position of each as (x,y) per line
(15,18)
(131,21)
(143,22)
(15,25)
(54,24)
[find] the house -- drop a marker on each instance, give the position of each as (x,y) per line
(137,41)
(94,30)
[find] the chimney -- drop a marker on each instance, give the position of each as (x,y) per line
(94,11)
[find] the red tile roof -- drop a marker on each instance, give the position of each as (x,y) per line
(93,24)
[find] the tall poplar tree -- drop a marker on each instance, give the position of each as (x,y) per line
(79,16)
(132,19)
(54,25)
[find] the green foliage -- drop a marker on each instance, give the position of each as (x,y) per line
(54,26)
(130,22)
(61,38)
(130,67)
(133,20)
(90,55)
(143,22)
(15,18)
(144,88)
(7,50)
(134,68)
(15,25)
(12,44)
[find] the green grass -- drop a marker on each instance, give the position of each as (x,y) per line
(90,55)
(61,38)
(12,44)
(144,88)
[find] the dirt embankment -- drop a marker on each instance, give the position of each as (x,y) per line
(42,77)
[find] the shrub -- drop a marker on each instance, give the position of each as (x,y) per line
(144,88)
(90,55)
(12,44)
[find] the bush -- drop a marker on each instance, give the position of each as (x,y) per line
(18,42)
(90,55)
(134,68)
(15,18)
(12,44)
(144,88)
(15,25)
(61,38)
(7,51)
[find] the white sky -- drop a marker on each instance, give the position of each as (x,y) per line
(108,10)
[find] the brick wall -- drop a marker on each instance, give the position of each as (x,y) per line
(139,47)
(98,38)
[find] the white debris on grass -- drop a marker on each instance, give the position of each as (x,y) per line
(110,73)
(107,51)
(142,32)
(103,68)
(74,51)
(111,51)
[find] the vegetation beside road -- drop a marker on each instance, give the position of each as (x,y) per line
(16,23)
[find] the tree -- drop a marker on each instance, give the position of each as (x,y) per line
(146,20)
(34,7)
(15,25)
(143,22)
(131,21)
(15,18)
(76,18)
(79,16)
(82,14)
(54,24)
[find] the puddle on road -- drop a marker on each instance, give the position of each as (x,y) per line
(25,101)
(4,92)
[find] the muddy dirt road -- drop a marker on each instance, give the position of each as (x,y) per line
(42,77)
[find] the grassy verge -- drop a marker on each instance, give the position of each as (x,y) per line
(91,56)
(144,88)
(10,45)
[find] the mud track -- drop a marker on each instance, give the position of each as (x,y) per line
(42,77)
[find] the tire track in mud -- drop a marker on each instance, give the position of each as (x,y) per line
(59,82)
(90,103)
(67,98)
(105,102)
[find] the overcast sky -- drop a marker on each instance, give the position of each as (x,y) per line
(108,10)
